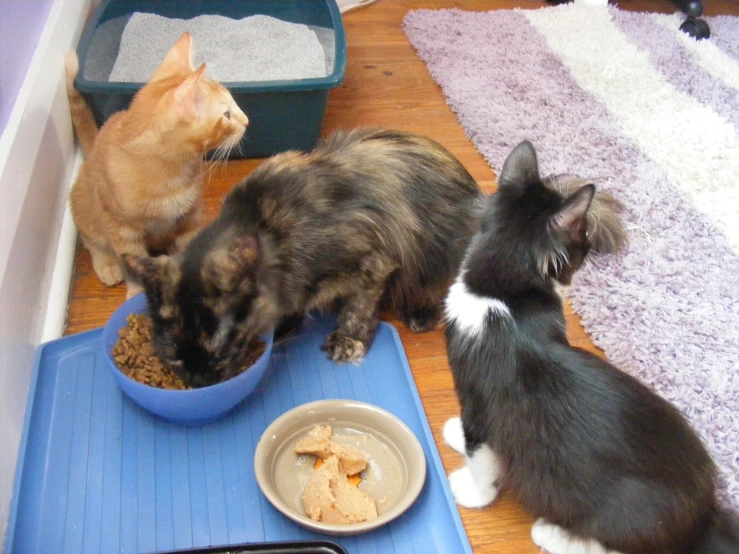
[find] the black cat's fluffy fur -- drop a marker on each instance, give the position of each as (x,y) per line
(369,215)
(583,444)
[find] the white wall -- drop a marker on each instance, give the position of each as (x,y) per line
(36,160)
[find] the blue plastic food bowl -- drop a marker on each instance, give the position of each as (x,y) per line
(186,407)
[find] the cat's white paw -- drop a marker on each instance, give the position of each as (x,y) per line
(108,270)
(467,492)
(453,434)
(557,540)
(547,536)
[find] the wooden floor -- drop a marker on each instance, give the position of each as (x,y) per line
(387,85)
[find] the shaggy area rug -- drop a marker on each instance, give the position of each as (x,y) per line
(652,116)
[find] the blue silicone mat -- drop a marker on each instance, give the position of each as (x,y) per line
(96,473)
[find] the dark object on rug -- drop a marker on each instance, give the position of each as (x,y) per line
(693,25)
(696,28)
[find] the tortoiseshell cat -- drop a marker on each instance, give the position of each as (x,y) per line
(368,215)
(603,462)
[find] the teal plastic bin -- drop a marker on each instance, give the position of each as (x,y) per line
(283,115)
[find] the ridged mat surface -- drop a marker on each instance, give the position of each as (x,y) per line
(99,474)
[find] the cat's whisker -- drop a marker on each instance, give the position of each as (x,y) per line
(227,157)
(287,338)
(209,167)
(596,262)
(223,152)
(641,228)
(223,162)
(218,158)
(214,162)
(215,159)
(554,260)
(218,154)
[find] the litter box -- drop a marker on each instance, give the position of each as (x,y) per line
(283,115)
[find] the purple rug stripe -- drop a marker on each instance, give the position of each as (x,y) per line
(667,309)
(678,65)
(725,34)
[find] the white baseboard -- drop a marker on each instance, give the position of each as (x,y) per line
(61,277)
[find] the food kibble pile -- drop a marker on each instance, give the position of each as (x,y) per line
(135,356)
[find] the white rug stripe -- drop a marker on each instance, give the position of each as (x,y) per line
(717,63)
(697,148)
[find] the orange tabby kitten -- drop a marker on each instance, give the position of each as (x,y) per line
(140,188)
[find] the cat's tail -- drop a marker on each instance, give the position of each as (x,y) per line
(721,536)
(82,119)
(606,232)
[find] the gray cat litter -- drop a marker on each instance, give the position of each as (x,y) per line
(255,48)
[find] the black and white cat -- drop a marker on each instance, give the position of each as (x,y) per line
(604,464)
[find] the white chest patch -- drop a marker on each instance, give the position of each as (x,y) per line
(563,291)
(469,310)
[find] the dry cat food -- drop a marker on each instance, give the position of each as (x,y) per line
(331,494)
(134,355)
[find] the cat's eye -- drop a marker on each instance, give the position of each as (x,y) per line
(227,114)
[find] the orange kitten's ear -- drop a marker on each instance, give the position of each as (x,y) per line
(178,60)
(187,97)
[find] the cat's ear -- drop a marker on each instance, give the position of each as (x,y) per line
(188,96)
(521,167)
(178,60)
(226,267)
(150,272)
(571,217)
